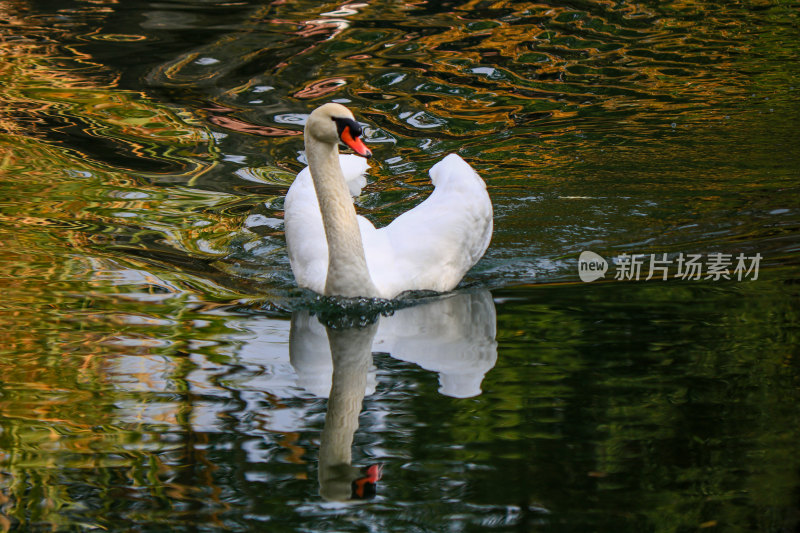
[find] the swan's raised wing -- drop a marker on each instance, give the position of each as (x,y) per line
(432,246)
(305,234)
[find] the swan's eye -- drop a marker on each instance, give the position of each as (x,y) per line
(349,124)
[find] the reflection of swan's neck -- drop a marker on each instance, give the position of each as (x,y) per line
(352,354)
(347,266)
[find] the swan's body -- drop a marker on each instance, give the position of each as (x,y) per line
(333,251)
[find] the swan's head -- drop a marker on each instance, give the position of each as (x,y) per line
(331,123)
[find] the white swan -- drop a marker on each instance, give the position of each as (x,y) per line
(333,251)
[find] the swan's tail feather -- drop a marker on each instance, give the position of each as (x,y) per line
(354,169)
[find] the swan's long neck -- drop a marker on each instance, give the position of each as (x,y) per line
(348,274)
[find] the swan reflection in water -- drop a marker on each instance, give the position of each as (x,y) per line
(453,336)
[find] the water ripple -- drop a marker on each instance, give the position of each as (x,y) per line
(147,149)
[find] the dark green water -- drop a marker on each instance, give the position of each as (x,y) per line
(160,372)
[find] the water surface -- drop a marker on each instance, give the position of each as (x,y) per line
(152,368)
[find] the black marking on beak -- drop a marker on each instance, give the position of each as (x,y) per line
(350,134)
(352,125)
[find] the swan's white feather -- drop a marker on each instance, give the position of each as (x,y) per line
(430,247)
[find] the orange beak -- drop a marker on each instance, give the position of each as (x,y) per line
(355,143)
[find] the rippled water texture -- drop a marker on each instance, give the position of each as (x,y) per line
(159,371)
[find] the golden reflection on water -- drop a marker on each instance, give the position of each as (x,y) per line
(61,206)
(67,205)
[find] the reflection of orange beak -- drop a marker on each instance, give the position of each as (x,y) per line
(366,487)
(355,143)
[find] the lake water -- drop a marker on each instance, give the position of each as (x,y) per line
(160,371)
